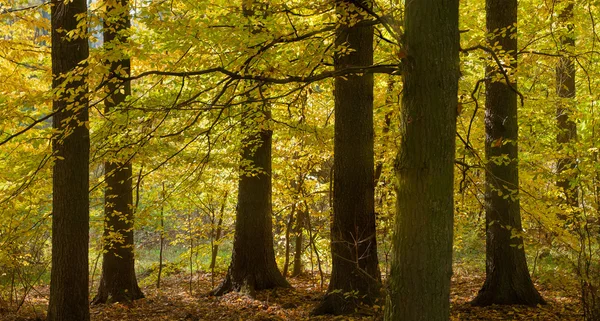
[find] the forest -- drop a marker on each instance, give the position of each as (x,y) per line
(299,160)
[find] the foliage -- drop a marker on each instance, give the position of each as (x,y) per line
(181,129)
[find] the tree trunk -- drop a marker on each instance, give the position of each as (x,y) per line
(253,265)
(419,286)
(69,296)
(298,268)
(353,235)
(288,231)
(567,129)
(118,282)
(507,277)
(217,235)
(161,237)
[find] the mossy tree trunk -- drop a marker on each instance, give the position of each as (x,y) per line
(419,285)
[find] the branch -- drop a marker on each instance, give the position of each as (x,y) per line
(30,126)
(475,90)
(374,69)
(502,70)
(11,10)
(389,24)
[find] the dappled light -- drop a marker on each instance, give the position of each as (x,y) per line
(289,160)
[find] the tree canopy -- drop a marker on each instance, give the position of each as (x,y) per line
(484,129)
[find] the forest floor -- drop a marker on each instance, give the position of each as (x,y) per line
(174,302)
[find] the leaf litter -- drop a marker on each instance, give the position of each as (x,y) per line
(175,302)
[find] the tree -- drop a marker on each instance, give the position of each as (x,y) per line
(298,247)
(253,265)
(69,297)
(507,277)
(355,276)
(216,232)
(419,286)
(565,88)
(118,282)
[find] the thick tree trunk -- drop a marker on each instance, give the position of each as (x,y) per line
(69,297)
(353,235)
(567,129)
(507,277)
(253,265)
(118,282)
(419,287)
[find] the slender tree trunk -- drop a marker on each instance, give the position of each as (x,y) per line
(385,132)
(507,277)
(118,282)
(298,267)
(217,237)
(161,237)
(315,250)
(69,294)
(567,129)
(419,287)
(288,232)
(353,234)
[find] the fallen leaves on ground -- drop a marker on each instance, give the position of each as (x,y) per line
(175,302)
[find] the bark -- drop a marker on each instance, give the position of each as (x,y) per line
(69,297)
(567,129)
(118,282)
(419,285)
(288,232)
(353,235)
(507,277)
(385,132)
(298,248)
(313,249)
(217,235)
(253,265)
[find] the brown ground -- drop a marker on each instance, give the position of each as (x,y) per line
(174,302)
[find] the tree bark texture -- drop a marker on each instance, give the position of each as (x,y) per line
(355,266)
(118,282)
(567,128)
(507,277)
(419,285)
(217,234)
(69,297)
(298,267)
(288,232)
(253,265)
